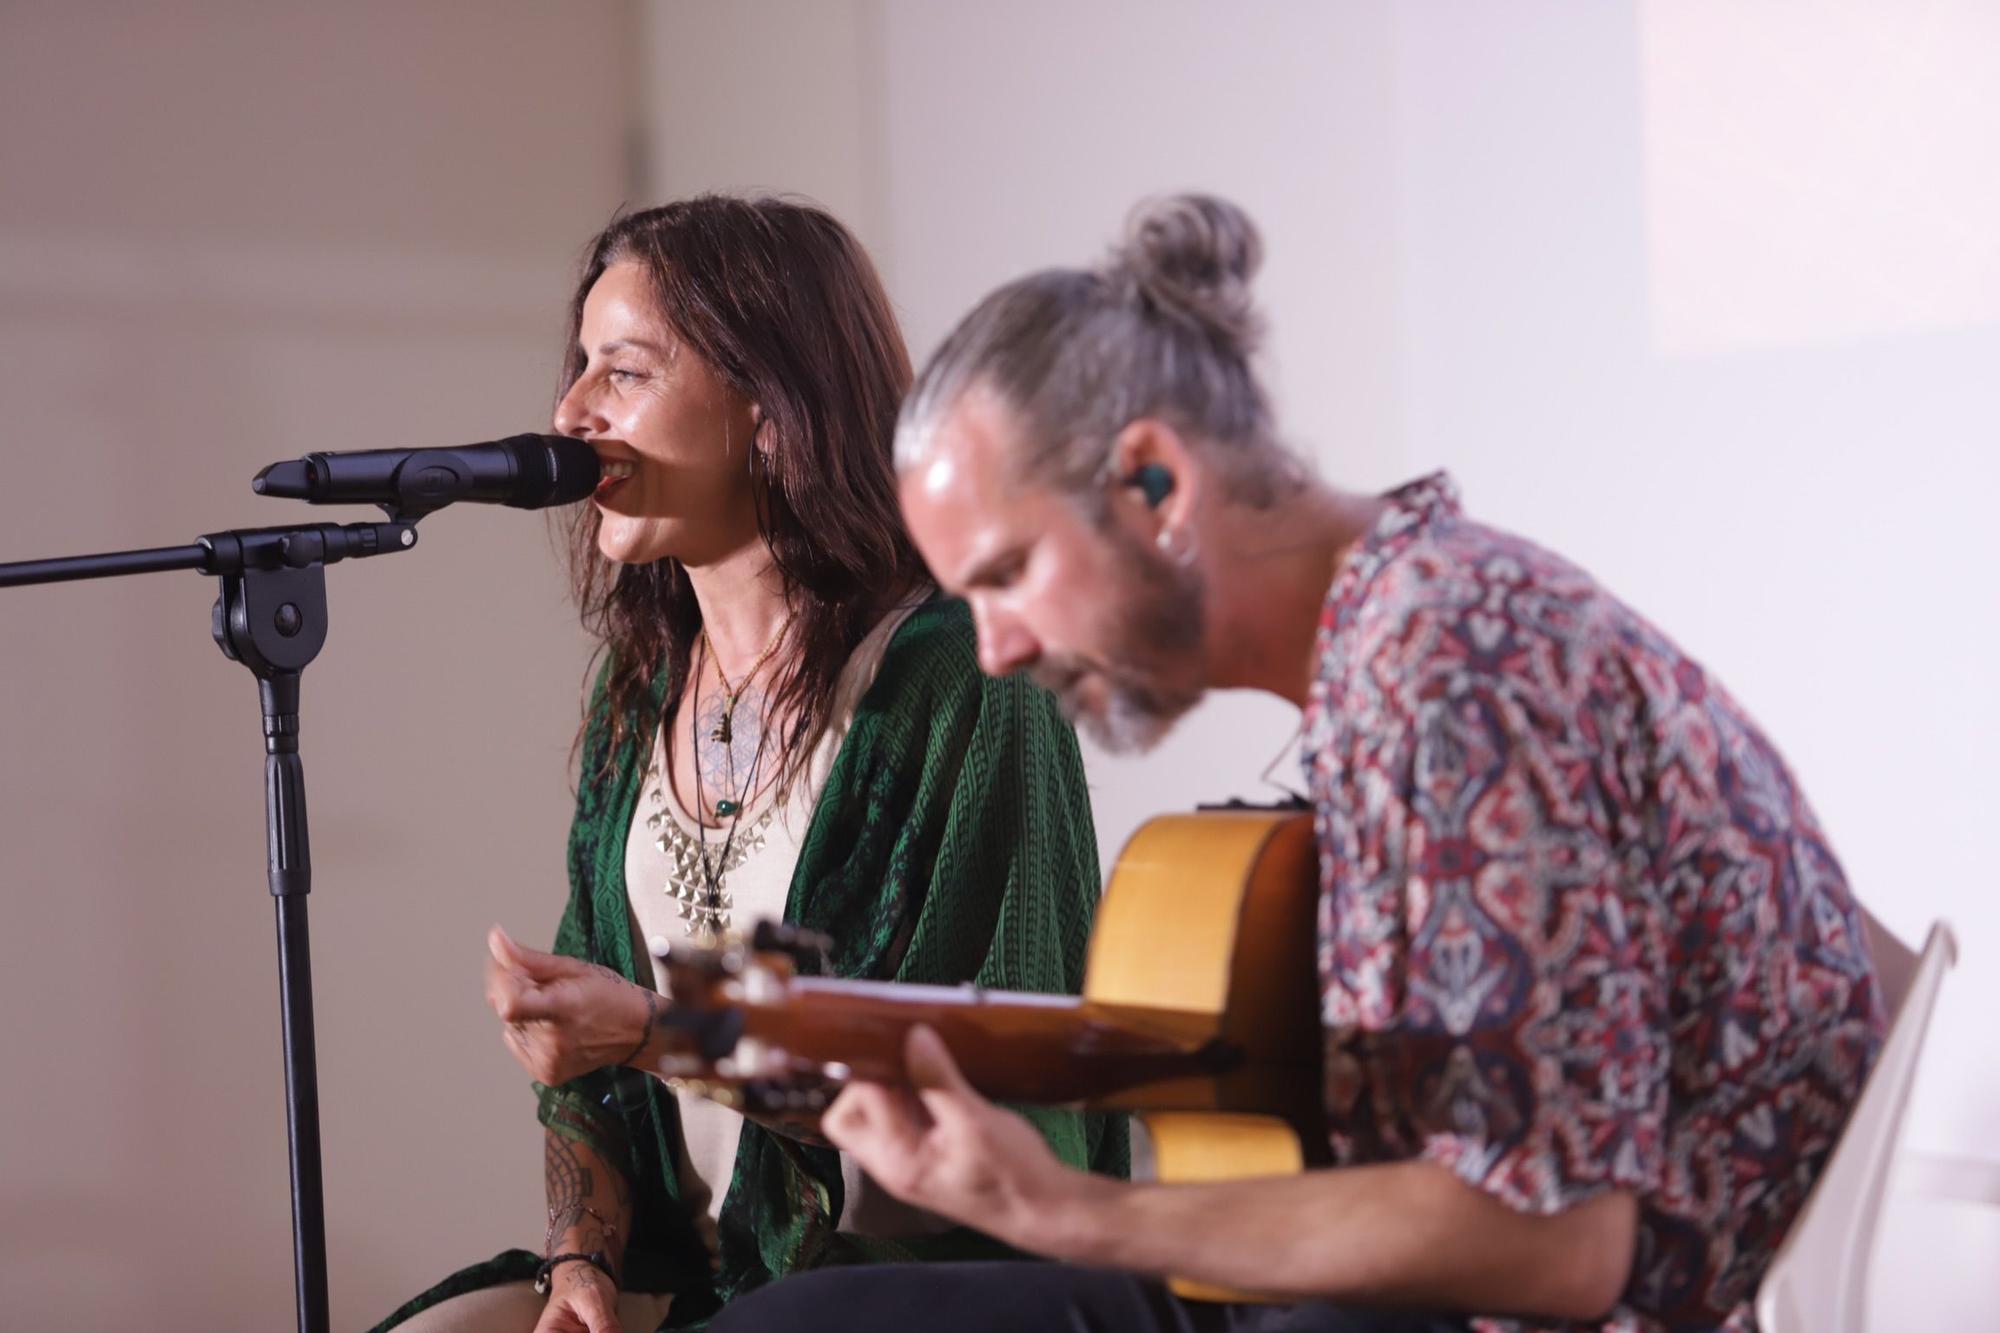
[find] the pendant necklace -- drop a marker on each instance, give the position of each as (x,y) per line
(697,879)
(724,731)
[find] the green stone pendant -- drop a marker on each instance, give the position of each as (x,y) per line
(725,808)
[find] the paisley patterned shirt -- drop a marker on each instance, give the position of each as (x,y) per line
(1579,929)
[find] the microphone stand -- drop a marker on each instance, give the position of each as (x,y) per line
(271,616)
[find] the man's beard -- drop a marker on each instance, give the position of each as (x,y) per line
(1150,671)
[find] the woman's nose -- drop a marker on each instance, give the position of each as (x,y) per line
(573,414)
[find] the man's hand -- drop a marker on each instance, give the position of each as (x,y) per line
(1405,1233)
(941,1146)
(581,1300)
(564,1017)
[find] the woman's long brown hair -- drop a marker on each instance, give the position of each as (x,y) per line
(785,305)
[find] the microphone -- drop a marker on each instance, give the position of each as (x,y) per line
(525,471)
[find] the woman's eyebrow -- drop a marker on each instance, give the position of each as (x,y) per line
(620,344)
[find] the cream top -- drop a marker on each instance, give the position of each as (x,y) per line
(664,887)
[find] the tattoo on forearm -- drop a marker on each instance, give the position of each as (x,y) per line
(571,1182)
(568,1181)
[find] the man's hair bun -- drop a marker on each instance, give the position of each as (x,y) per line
(1191,257)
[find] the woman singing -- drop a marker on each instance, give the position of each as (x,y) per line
(787,723)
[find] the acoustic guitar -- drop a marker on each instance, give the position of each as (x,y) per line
(1199,1012)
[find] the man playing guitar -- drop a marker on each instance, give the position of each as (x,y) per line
(1595,997)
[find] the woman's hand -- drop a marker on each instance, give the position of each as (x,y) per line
(564,1017)
(581,1300)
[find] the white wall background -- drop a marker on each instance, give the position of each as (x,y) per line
(231,233)
(1706,296)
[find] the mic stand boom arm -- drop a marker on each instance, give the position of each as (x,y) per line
(271,616)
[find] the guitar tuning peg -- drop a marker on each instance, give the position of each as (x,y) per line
(676,1069)
(799,943)
(721,1093)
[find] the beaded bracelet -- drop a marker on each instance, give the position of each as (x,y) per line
(597,1259)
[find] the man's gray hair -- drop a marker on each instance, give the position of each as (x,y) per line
(1164,328)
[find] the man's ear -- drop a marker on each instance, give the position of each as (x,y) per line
(1152,465)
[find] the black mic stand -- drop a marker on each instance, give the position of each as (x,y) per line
(271,616)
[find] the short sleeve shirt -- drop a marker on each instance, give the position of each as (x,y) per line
(1579,928)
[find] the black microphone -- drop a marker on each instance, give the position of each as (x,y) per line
(525,471)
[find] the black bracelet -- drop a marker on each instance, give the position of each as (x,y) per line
(646,1033)
(596,1259)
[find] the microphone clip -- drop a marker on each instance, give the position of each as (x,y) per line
(423,483)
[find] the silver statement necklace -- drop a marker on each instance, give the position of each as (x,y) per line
(698,875)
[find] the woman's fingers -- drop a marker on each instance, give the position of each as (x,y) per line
(566,1016)
(600,1311)
(501,945)
(529,1004)
(535,964)
(516,998)
(516,1042)
(501,987)
(580,1304)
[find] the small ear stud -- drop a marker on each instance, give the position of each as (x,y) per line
(1175,545)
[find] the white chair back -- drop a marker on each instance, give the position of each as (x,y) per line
(1818,1280)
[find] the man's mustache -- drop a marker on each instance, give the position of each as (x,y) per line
(1064,677)
(1056,676)
(1061,676)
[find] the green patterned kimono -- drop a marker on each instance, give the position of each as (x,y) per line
(952,843)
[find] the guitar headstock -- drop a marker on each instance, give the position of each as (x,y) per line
(737,968)
(709,987)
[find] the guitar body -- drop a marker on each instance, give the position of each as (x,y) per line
(1213,917)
